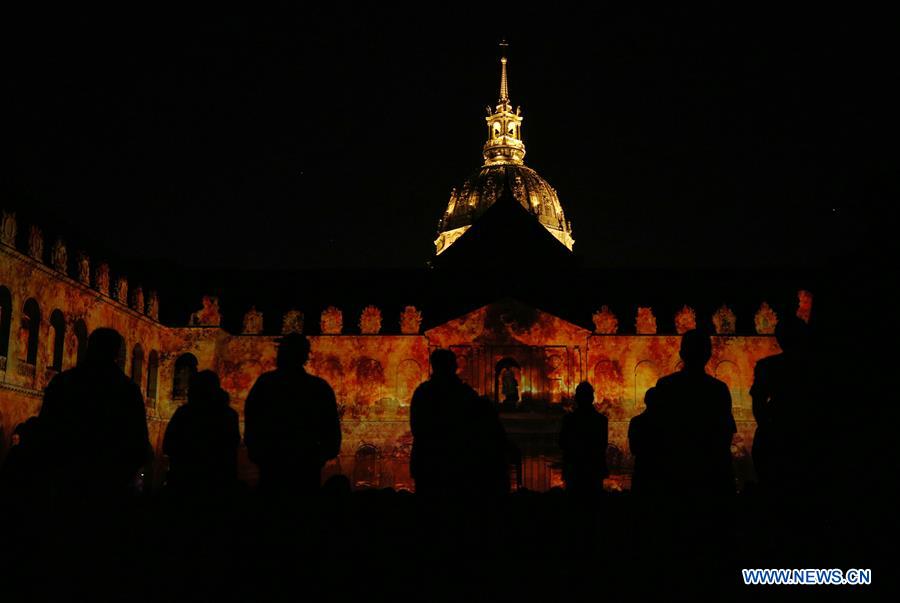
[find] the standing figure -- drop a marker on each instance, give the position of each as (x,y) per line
(291,422)
(202,439)
(459,445)
(782,394)
(584,437)
(695,416)
(644,438)
(510,388)
(93,426)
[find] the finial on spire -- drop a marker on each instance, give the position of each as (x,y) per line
(504,87)
(504,144)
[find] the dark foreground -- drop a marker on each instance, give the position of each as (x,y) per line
(376,545)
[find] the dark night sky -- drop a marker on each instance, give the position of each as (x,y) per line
(322,140)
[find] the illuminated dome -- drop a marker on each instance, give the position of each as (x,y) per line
(503,169)
(484,187)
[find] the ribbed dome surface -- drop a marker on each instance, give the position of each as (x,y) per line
(483,188)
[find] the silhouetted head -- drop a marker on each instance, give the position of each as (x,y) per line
(443,363)
(24,430)
(651,397)
(792,334)
(103,346)
(584,394)
(696,349)
(293,351)
(204,388)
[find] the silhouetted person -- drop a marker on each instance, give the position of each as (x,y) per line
(490,450)
(202,439)
(583,438)
(459,445)
(93,426)
(782,395)
(291,422)
(19,469)
(510,388)
(645,433)
(695,416)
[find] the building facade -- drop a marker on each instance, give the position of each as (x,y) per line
(46,314)
(526,360)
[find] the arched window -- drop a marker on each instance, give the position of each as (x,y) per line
(185,367)
(152,377)
(29,330)
(5,321)
(81,335)
(137,364)
(58,333)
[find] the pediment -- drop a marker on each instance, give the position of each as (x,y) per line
(507,322)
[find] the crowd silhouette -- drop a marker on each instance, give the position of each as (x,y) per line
(88,446)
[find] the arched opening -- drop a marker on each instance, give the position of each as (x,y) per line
(152,377)
(81,335)
(58,333)
(646,374)
(366,472)
(185,367)
(29,331)
(507,377)
(5,321)
(137,364)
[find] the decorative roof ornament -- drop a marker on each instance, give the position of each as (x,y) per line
(410,321)
(765,320)
(804,305)
(59,257)
(84,268)
(504,145)
(153,305)
(605,322)
(101,278)
(208,315)
(253,322)
(370,321)
(120,292)
(8,229)
(292,322)
(36,243)
(137,299)
(332,321)
(724,321)
(685,320)
(645,322)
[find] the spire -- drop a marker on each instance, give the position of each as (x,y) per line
(504,86)
(504,144)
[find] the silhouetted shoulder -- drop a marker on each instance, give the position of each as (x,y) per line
(319,383)
(769,361)
(266,379)
(668,381)
(720,386)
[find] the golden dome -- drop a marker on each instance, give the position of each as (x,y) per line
(483,188)
(504,154)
